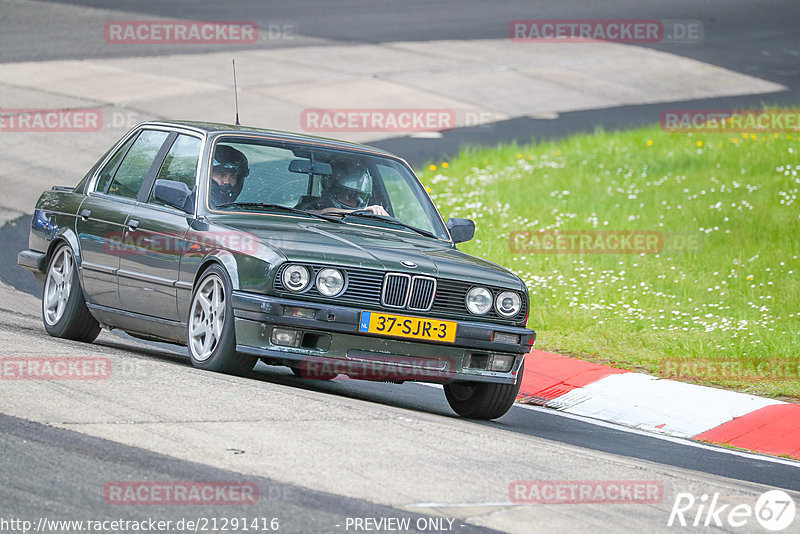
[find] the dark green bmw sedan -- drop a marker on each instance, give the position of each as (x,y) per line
(244,244)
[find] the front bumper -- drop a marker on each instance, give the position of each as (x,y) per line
(32,260)
(36,262)
(331,338)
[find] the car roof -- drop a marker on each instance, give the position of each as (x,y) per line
(216,129)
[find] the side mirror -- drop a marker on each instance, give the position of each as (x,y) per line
(303,166)
(461,230)
(173,193)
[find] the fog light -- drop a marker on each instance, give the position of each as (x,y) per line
(476,360)
(503,337)
(501,363)
(295,311)
(286,337)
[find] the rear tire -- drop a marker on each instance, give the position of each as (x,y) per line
(481,400)
(64,310)
(211,334)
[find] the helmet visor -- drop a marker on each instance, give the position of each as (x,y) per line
(228,166)
(350,198)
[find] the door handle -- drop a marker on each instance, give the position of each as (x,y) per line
(85,214)
(133,224)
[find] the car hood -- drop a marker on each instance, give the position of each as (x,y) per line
(372,247)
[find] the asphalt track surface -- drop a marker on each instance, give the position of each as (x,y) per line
(55,469)
(757,38)
(56,474)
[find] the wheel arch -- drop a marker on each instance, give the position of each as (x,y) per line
(225,260)
(69,238)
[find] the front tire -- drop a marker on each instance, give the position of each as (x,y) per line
(481,400)
(211,336)
(64,310)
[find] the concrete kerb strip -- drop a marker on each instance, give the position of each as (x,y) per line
(659,405)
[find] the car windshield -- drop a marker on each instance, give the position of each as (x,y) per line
(252,174)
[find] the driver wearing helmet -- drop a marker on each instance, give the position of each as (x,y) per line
(349,188)
(227,175)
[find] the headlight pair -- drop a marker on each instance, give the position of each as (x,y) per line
(506,304)
(329,282)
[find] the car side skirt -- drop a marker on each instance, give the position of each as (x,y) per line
(136,323)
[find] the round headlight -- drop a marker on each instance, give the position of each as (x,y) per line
(330,282)
(508,303)
(479,300)
(296,277)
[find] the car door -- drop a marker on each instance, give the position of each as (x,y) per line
(102,215)
(148,273)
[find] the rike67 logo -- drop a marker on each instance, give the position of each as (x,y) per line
(774,510)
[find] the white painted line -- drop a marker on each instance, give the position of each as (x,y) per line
(426,135)
(462,504)
(681,441)
(547,115)
(687,441)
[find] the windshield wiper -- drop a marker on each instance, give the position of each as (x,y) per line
(391,220)
(268,205)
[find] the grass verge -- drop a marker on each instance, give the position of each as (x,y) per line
(715,301)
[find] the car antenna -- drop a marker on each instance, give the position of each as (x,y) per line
(235,93)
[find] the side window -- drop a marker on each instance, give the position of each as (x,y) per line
(104,178)
(180,164)
(136,164)
(406,206)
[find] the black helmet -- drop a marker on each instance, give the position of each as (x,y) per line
(350,185)
(227,159)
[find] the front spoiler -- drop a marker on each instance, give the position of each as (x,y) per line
(349,349)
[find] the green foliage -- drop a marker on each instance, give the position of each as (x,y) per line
(725,286)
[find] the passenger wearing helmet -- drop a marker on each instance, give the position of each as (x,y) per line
(229,169)
(349,188)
